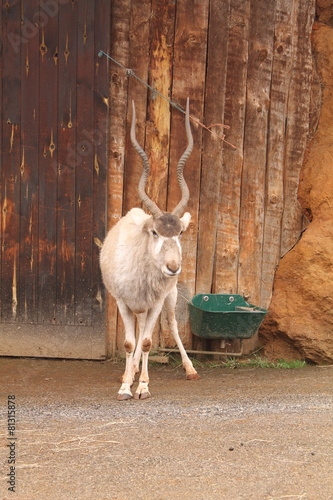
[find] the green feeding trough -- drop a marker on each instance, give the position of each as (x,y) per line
(224,316)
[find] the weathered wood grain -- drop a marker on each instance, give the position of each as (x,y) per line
(85,164)
(279,93)
(120,20)
(228,237)
(42,183)
(297,128)
(138,62)
(159,113)
(99,139)
(252,203)
(253,180)
(159,116)
(211,170)
(28,254)
(190,52)
(1,173)
(11,160)
(66,166)
(48,154)
(246,64)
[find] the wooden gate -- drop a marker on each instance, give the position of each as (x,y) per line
(54,127)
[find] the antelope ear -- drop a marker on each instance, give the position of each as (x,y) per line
(139,216)
(185,220)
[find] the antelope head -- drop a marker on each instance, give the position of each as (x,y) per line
(164,228)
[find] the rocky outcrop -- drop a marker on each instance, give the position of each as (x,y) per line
(300,323)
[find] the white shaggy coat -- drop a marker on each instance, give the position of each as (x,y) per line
(140,268)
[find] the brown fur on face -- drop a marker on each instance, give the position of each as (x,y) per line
(168,225)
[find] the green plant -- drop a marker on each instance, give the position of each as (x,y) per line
(262,362)
(232,363)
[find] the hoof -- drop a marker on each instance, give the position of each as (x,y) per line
(193,376)
(124,397)
(144,395)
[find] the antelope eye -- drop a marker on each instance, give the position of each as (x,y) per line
(181,232)
(154,233)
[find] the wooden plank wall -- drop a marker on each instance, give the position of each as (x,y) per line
(245,64)
(54,133)
(65,118)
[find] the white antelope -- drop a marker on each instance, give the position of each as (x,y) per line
(140,262)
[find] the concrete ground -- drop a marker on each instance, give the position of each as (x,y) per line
(235,434)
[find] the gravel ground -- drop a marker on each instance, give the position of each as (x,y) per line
(235,434)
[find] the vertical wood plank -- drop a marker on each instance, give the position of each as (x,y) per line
(138,62)
(119,46)
(280,84)
(84,164)
(48,151)
(28,283)
(11,158)
(227,240)
(66,166)
(99,138)
(190,50)
(261,33)
(1,167)
(158,119)
(298,122)
(212,147)
(120,19)
(159,114)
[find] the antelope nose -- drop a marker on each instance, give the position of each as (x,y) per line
(173,267)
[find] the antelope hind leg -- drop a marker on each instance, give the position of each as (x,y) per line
(170,304)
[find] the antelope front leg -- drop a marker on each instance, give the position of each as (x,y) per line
(142,391)
(170,304)
(137,356)
(128,377)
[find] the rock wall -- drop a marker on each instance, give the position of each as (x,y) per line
(300,323)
